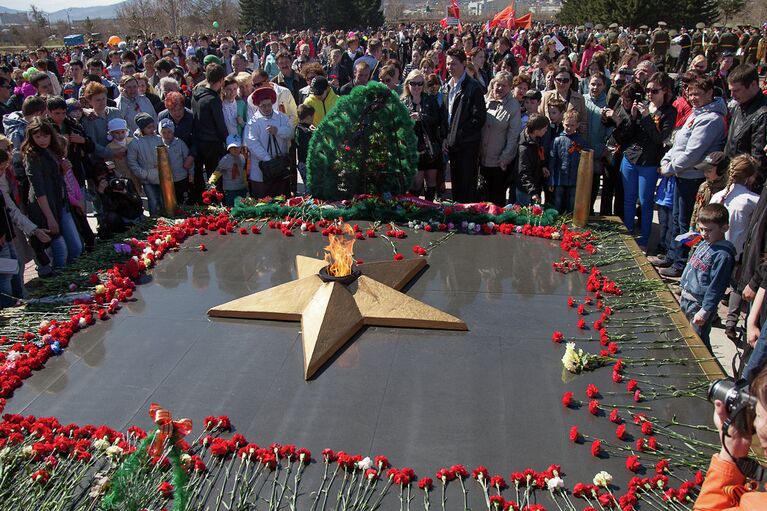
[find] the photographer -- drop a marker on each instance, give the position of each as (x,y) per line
(725,476)
(121,204)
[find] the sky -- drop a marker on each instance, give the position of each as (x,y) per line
(54,5)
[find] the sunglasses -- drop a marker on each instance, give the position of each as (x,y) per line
(417,84)
(653,91)
(562,80)
(258,84)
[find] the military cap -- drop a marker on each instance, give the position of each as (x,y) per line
(662,24)
(613,25)
(599,26)
(643,27)
(700,26)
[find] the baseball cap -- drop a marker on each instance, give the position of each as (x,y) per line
(233,141)
(717,160)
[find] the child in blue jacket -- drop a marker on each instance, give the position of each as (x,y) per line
(708,271)
(564,158)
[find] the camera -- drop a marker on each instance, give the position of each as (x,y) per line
(740,404)
(638,96)
(118,184)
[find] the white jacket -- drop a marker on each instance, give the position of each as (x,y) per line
(256,139)
(740,203)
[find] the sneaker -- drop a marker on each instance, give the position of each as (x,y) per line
(671,272)
(659,261)
(731,333)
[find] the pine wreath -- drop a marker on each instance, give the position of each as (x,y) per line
(365,145)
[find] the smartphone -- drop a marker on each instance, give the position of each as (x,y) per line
(638,96)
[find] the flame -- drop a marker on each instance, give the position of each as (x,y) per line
(339,254)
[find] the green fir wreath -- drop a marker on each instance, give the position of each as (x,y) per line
(365,145)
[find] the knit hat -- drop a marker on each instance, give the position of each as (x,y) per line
(117,124)
(167,124)
(262,93)
(319,85)
(143,120)
(212,59)
(233,141)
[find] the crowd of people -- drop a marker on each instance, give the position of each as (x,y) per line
(677,122)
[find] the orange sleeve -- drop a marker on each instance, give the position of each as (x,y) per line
(720,473)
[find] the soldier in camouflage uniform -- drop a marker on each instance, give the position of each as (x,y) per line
(613,47)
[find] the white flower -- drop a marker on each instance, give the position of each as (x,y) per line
(28,451)
(365,463)
(44,324)
(114,451)
(148,250)
(491,225)
(185,458)
(12,355)
(471,226)
(417,227)
(555,235)
(82,323)
(102,444)
(603,479)
(555,483)
(5,453)
(570,359)
(303,226)
(157,242)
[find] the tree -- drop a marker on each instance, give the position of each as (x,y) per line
(638,12)
(139,16)
(365,145)
(731,8)
(89,27)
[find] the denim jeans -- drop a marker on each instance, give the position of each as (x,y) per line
(66,247)
(759,355)
(684,202)
(6,279)
(564,198)
(664,219)
(690,308)
(638,182)
(153,198)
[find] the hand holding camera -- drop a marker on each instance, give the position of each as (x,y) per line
(734,413)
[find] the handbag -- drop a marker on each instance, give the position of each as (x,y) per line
(278,168)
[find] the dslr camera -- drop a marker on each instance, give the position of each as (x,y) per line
(740,404)
(118,184)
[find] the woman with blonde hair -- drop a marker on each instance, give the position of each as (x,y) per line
(431,130)
(500,139)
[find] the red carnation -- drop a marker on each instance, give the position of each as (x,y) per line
(647,428)
(480,473)
(594,407)
(497,502)
(426,483)
(581,309)
(570,301)
(567,399)
(166,489)
(398,257)
(632,463)
(581,324)
(557,336)
(575,436)
(596,448)
(41,477)
(420,250)
(620,432)
(614,417)
(592,391)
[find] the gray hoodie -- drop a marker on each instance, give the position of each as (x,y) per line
(704,132)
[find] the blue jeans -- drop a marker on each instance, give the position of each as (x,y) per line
(690,308)
(564,198)
(684,202)
(664,219)
(231,195)
(153,198)
(66,247)
(638,182)
(759,355)
(7,279)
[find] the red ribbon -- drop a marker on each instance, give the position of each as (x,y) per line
(167,429)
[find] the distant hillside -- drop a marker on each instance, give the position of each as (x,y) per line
(80,13)
(75,13)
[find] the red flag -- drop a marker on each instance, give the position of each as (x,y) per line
(456,11)
(503,17)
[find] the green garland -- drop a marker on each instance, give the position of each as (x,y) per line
(365,145)
(383,210)
(123,494)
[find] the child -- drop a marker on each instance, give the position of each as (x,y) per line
(564,160)
(531,175)
(177,154)
(118,131)
(531,102)
(741,202)
(304,131)
(714,167)
(664,200)
(231,170)
(556,108)
(708,270)
(142,161)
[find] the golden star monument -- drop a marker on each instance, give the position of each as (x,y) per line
(331,311)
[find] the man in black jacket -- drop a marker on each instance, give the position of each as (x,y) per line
(466,116)
(209,127)
(747,133)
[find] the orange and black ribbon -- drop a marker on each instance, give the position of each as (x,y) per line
(168,430)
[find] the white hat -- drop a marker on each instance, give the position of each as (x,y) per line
(117,124)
